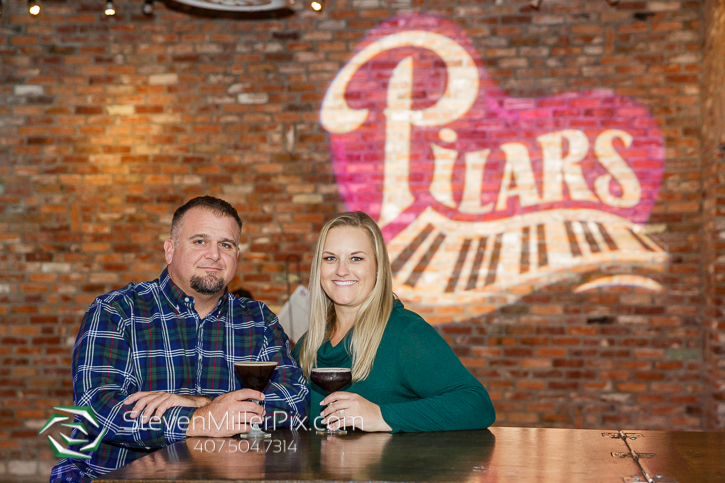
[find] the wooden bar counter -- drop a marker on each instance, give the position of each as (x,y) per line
(500,454)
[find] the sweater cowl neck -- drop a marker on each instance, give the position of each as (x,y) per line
(338,356)
(341,354)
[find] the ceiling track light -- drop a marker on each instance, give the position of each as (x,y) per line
(33,7)
(316,5)
(148,7)
(110,11)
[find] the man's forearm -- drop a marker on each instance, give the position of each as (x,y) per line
(200,401)
(192,431)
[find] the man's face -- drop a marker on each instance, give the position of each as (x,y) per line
(202,259)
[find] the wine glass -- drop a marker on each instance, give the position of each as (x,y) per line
(331,379)
(255,375)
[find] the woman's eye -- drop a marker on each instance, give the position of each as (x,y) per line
(357,259)
(329,259)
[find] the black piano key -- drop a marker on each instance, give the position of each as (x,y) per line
(453,281)
(423,263)
(640,240)
(607,238)
(477,262)
(593,245)
(525,255)
(573,243)
(541,245)
(405,255)
(493,266)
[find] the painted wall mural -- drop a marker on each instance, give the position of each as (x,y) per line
(484,198)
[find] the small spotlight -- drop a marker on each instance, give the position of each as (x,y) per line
(33,7)
(535,4)
(148,7)
(316,6)
(109,9)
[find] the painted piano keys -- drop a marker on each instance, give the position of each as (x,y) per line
(458,261)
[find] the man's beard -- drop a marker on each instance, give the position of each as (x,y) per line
(209,285)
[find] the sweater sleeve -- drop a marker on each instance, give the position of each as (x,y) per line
(450,397)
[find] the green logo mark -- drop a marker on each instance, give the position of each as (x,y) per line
(84,412)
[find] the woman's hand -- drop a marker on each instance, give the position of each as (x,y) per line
(158,402)
(352,410)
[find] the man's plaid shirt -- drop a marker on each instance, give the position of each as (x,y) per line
(148,337)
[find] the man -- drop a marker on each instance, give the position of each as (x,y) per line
(166,349)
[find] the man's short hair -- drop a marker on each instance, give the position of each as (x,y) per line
(215,205)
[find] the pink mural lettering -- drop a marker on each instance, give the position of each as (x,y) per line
(484,197)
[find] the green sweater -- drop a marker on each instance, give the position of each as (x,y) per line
(416,379)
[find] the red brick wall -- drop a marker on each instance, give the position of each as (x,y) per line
(713,137)
(108,124)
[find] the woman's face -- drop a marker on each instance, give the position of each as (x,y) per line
(348,268)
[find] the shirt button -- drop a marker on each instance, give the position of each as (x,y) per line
(186,299)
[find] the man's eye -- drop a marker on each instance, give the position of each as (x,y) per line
(225,246)
(199,242)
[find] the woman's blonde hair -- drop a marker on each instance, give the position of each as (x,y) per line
(373,315)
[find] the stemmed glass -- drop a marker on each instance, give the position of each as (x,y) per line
(331,379)
(255,375)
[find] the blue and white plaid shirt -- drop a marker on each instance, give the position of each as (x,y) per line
(149,337)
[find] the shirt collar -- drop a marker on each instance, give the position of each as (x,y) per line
(178,299)
(172,291)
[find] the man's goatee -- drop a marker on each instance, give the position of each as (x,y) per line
(208,285)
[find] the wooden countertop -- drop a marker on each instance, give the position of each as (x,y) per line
(497,455)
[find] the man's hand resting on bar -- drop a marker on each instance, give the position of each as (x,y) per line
(227,415)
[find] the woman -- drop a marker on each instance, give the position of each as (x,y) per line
(405,377)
